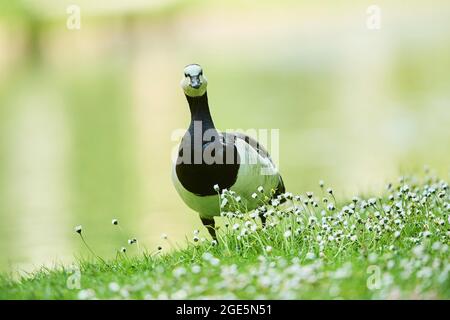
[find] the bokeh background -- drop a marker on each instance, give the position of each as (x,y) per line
(86,116)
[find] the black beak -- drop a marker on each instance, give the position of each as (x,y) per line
(195,82)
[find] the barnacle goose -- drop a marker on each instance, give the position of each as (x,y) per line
(210,161)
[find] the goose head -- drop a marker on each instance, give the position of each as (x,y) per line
(194,83)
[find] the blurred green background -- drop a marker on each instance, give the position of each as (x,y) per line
(86,116)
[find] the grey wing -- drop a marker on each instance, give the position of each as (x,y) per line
(250,141)
(232,136)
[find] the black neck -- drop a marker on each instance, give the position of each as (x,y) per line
(200,111)
(197,175)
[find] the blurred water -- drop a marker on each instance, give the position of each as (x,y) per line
(86,116)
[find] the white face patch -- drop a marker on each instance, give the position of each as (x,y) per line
(194,82)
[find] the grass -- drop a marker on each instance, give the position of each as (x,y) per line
(395,246)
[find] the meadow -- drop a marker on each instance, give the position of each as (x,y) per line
(390,246)
(86,116)
(86,123)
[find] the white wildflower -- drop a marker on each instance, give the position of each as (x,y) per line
(224,203)
(207,256)
(254,214)
(427,234)
(196,269)
(179,272)
(114,287)
(214,261)
(86,294)
(310,256)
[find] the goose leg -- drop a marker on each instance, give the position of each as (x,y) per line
(210,225)
(263,219)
